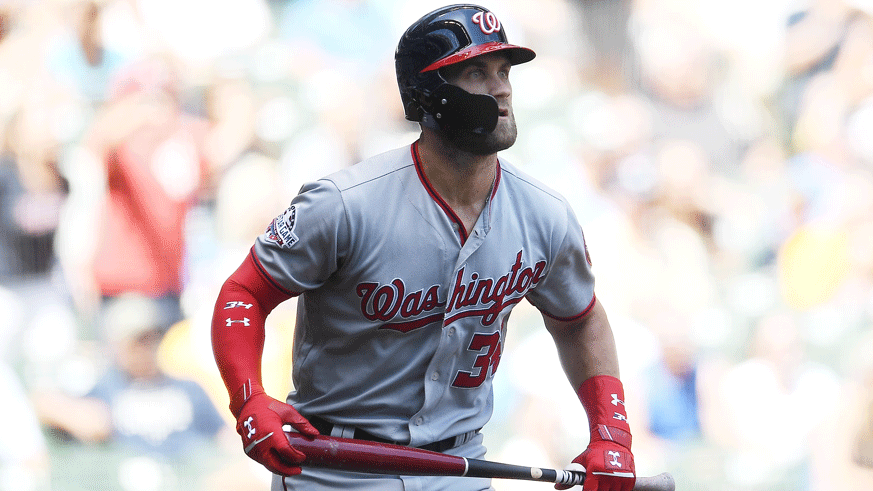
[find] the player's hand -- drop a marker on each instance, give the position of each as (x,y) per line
(608,467)
(260,424)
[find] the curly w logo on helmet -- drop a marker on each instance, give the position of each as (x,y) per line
(487,21)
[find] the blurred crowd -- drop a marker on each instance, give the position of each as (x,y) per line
(718,155)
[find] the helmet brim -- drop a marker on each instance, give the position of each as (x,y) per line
(517,54)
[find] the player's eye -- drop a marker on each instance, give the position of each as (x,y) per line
(476,73)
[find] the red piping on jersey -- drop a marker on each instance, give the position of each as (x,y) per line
(267,276)
(494,187)
(577,316)
(406,327)
(462,231)
(480,312)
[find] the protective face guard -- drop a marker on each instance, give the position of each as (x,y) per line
(452,108)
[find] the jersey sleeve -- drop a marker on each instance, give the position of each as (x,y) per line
(567,291)
(304,246)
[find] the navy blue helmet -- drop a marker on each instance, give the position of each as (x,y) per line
(441,38)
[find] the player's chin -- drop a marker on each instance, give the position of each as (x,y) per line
(477,144)
(502,137)
(506,130)
(491,145)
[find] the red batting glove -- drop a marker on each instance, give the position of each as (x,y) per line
(608,461)
(259,422)
(608,467)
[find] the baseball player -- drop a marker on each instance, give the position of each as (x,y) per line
(406,267)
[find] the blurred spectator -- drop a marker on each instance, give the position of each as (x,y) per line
(773,408)
(671,390)
(32,188)
(31,194)
(680,73)
(135,404)
(152,155)
(38,305)
(814,34)
(79,59)
(605,26)
(137,416)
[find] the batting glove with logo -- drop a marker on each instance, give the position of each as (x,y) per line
(259,422)
(608,461)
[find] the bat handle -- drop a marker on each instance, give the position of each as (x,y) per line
(569,478)
(661,482)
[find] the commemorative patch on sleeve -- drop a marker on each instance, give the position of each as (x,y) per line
(281,231)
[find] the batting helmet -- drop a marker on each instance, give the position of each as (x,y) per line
(444,37)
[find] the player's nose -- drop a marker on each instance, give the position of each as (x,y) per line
(499,86)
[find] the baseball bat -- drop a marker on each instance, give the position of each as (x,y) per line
(384,458)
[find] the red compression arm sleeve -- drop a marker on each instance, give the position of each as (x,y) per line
(244,302)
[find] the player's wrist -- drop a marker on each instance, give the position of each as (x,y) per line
(602,396)
(244,394)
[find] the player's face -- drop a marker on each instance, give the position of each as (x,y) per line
(486,74)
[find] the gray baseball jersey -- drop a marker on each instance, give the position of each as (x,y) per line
(402,313)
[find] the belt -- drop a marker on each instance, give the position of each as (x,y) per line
(325,428)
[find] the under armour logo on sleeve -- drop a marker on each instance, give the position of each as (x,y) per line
(245,321)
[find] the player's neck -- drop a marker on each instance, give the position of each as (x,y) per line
(461,178)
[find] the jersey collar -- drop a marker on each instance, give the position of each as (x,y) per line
(453,217)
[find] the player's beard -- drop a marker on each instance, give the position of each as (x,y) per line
(503,137)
